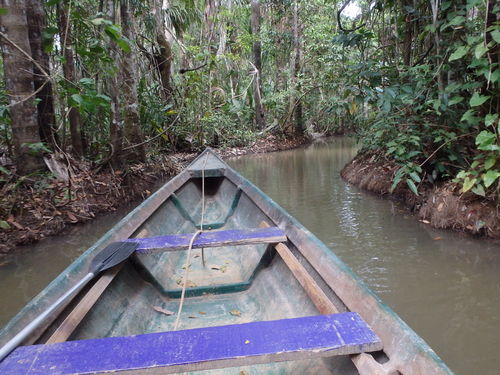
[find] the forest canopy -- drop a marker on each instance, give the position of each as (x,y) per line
(118,82)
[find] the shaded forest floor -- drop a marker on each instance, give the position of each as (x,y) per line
(441,206)
(37,207)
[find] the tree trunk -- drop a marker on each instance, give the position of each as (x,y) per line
(294,107)
(164,58)
(18,75)
(130,103)
(164,64)
(115,124)
(257,84)
(70,76)
(437,42)
(209,21)
(41,79)
(408,37)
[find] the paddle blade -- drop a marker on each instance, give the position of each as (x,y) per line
(112,255)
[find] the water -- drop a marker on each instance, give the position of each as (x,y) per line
(31,268)
(445,285)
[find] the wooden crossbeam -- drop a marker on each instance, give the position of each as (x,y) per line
(318,297)
(66,328)
(200,348)
(365,363)
(217,238)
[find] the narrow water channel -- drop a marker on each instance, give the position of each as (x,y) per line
(446,286)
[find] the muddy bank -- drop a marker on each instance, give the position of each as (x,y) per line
(442,206)
(36,207)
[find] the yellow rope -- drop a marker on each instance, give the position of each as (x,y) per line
(188,263)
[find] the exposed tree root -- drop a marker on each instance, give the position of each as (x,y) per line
(441,206)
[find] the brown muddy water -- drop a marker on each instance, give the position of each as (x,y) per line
(445,285)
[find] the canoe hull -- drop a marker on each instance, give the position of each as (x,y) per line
(235,286)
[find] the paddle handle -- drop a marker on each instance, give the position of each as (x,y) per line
(26,331)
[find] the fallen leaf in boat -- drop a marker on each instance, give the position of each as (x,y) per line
(235,312)
(227,262)
(184,266)
(215,267)
(192,317)
(247,341)
(223,268)
(163,311)
(243,372)
(437,238)
(196,256)
(201,312)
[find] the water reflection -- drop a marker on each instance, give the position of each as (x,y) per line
(445,285)
(31,268)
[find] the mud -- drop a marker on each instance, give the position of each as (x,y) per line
(440,206)
(36,207)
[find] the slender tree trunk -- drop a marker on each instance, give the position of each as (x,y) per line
(115,124)
(164,64)
(295,108)
(408,36)
(18,75)
(165,55)
(42,83)
(209,21)
(257,84)
(70,76)
(128,67)
(437,42)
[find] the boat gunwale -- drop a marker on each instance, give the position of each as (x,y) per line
(321,258)
(297,233)
(79,267)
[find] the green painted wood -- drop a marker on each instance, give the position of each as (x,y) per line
(261,290)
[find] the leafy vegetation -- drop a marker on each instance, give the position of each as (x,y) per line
(416,80)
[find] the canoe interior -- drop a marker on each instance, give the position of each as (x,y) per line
(238,284)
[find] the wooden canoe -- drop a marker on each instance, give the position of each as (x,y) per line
(270,298)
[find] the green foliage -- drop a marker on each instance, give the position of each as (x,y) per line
(447,132)
(36,148)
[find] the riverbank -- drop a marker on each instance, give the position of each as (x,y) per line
(441,206)
(37,207)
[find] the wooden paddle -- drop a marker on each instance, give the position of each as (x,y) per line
(112,255)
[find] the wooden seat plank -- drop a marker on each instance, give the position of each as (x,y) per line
(200,348)
(210,239)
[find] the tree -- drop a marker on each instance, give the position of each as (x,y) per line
(18,74)
(75,121)
(295,104)
(41,73)
(257,60)
(128,86)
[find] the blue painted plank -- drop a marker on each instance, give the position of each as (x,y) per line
(211,239)
(201,348)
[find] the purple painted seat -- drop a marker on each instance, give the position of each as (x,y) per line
(210,239)
(200,348)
